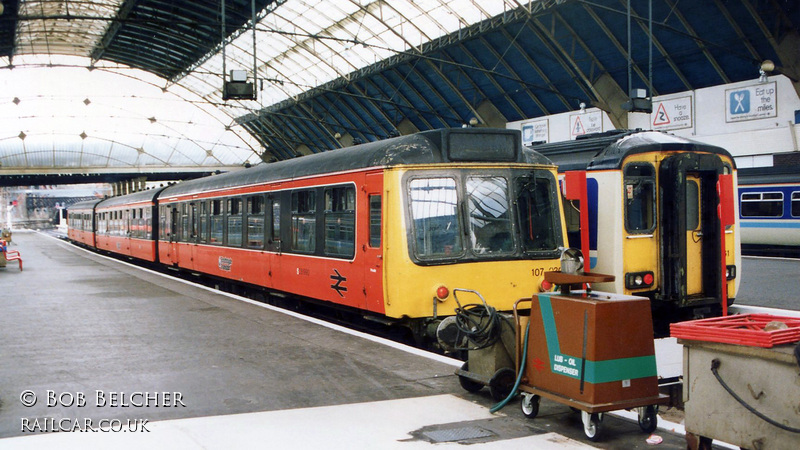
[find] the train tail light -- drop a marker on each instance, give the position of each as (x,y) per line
(545,286)
(730,272)
(442,292)
(639,280)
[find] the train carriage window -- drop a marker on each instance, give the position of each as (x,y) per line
(203,222)
(164,223)
(235,222)
(434,214)
(762,204)
(340,219)
(374,221)
(276,220)
(185,230)
(215,222)
(489,217)
(192,222)
(148,223)
(304,221)
(537,213)
(255,222)
(795,204)
(692,205)
(640,198)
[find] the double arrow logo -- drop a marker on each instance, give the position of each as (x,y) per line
(339,279)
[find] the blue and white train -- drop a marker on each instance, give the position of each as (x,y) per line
(769,210)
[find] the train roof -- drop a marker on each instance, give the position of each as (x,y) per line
(86,204)
(601,151)
(788,174)
(427,147)
(136,197)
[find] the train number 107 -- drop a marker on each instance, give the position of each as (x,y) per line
(539,271)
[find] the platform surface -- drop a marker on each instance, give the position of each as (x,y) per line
(78,330)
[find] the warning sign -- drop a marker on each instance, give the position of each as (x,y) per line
(589,122)
(672,114)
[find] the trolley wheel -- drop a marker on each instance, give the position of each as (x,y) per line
(466,383)
(502,383)
(592,425)
(648,418)
(530,405)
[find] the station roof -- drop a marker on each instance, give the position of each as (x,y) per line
(136,85)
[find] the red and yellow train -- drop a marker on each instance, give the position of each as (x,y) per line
(385,229)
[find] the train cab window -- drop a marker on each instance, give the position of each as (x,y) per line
(795,204)
(215,222)
(340,221)
(434,214)
(304,221)
(640,198)
(538,219)
(489,217)
(762,204)
(374,221)
(255,222)
(235,222)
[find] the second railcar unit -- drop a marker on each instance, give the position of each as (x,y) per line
(385,228)
(652,203)
(769,210)
(81,224)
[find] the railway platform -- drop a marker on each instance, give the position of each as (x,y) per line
(100,353)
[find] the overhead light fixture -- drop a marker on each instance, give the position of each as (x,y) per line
(763,71)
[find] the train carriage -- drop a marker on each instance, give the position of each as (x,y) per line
(769,210)
(652,208)
(386,228)
(124,225)
(80,222)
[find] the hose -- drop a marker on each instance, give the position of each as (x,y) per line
(479,324)
(714,369)
(513,392)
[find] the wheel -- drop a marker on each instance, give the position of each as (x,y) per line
(466,383)
(530,405)
(648,418)
(592,425)
(502,383)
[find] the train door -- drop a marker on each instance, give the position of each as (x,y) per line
(690,231)
(694,236)
(274,242)
(372,248)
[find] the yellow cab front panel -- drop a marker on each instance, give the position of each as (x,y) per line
(488,228)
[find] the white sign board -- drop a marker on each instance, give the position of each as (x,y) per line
(751,102)
(672,114)
(589,122)
(535,131)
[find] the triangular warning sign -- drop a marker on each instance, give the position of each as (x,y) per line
(578,129)
(661,118)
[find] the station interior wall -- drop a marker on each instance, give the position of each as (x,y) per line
(752,139)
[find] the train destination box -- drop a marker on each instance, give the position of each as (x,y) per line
(593,351)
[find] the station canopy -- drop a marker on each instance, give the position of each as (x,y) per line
(137,85)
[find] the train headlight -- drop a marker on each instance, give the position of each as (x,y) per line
(571,261)
(639,280)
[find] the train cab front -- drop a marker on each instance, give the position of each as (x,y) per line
(679,251)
